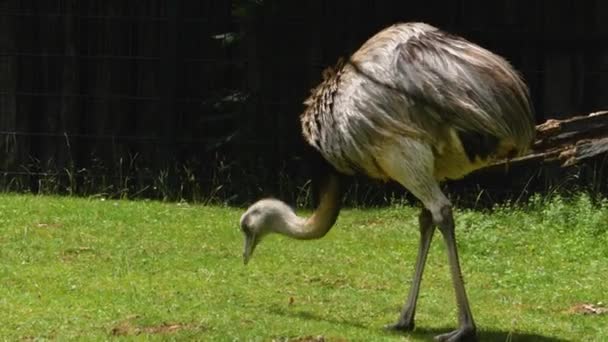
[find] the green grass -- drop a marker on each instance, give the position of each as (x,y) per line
(97,270)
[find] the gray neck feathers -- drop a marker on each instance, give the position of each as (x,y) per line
(322,219)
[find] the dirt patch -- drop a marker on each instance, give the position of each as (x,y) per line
(44,225)
(589,309)
(129,328)
(300,339)
(36,338)
(78,250)
(123,329)
(72,253)
(319,338)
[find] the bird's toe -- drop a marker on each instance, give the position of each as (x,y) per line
(400,326)
(463,334)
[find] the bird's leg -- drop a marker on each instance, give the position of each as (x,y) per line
(427,228)
(466,330)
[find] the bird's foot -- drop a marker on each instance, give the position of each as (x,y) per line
(401,326)
(462,334)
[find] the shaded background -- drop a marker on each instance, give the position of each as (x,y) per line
(200,99)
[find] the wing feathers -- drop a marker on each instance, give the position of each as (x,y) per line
(471,88)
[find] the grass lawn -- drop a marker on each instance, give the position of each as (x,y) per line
(89,269)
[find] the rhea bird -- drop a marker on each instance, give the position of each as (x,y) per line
(416,105)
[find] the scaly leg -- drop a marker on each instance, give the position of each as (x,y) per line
(427,228)
(412,163)
(466,330)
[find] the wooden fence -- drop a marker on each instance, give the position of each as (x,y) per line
(186,98)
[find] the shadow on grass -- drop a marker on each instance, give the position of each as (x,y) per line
(314,317)
(483,335)
(422,333)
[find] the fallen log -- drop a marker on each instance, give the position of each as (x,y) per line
(566,142)
(566,154)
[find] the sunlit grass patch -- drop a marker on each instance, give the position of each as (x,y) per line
(104,269)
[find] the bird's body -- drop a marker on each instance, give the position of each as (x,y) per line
(415,105)
(412,84)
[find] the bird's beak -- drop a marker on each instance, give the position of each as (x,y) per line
(250,242)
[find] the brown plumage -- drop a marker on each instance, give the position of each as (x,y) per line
(415,105)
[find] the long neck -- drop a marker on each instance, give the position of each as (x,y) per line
(324,216)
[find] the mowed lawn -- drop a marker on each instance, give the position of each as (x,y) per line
(93,269)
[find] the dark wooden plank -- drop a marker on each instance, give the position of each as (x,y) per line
(585,150)
(8,84)
(554,132)
(568,142)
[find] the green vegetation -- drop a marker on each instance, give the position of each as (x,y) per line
(94,270)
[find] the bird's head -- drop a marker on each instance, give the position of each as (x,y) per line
(261,218)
